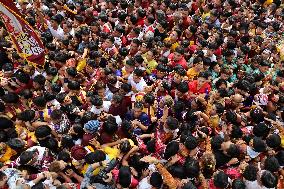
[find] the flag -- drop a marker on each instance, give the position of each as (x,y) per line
(23,36)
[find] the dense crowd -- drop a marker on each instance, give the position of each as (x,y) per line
(145,94)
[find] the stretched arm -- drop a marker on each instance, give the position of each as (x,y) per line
(114,143)
(125,158)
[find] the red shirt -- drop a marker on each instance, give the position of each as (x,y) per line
(181,62)
(140,22)
(206,88)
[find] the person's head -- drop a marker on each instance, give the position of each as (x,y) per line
(171,149)
(268,179)
(156,180)
(134,46)
(6,123)
(3,179)
(238,184)
(39,102)
(28,157)
(250,173)
(42,132)
(171,123)
(221,180)
(110,127)
(191,142)
(258,144)
(271,164)
(10,98)
(137,75)
(57,166)
(273,140)
(138,107)
(125,146)
(178,54)
(257,115)
(27,115)
(124,176)
(192,168)
(38,81)
(261,130)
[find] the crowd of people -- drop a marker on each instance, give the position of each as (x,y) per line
(146,94)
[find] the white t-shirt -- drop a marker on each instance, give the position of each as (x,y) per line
(143,184)
(138,86)
(59,33)
(105,108)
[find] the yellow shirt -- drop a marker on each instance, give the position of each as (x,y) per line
(150,65)
(191,73)
(8,154)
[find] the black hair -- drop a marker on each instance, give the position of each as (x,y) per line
(3,136)
(233,151)
(38,185)
(63,155)
(149,98)
(40,79)
(6,123)
(273,140)
(78,129)
(191,143)
(236,132)
(8,67)
(192,168)
(73,85)
(280,157)
(67,141)
(221,180)
(124,176)
(96,100)
(71,71)
(177,171)
(138,72)
(183,87)
(250,173)
(27,115)
(172,123)
(56,88)
(42,131)
(188,185)
(156,180)
(51,143)
(25,157)
(99,155)
(125,146)
(231,116)
(259,145)
(171,149)
(261,130)
(271,164)
(238,184)
(90,158)
(257,115)
(110,127)
(40,101)
(216,142)
(138,105)
(151,146)
(56,114)
(10,98)
(268,179)
(52,71)
(23,77)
